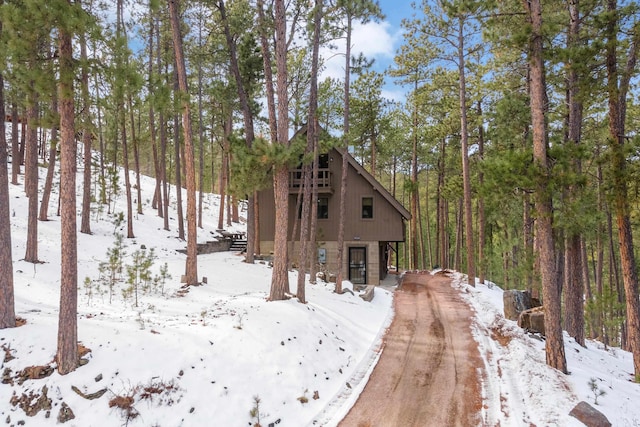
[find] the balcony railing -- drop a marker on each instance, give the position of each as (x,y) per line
(296,180)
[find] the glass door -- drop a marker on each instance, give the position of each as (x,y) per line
(358,265)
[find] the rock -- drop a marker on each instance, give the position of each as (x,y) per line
(98,378)
(532,320)
(367,295)
(34,373)
(515,302)
(33,402)
(65,413)
(589,415)
(91,396)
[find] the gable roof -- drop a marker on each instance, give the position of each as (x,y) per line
(377,186)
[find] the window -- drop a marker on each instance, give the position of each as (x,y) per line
(323,161)
(323,207)
(367,207)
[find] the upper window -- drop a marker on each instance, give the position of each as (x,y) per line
(367,207)
(323,207)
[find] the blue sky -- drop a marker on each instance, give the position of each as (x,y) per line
(378,41)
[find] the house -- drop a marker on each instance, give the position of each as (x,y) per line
(375,220)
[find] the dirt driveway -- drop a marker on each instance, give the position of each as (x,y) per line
(428,373)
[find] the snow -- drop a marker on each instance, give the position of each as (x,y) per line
(203,357)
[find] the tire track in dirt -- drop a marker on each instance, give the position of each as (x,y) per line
(427,374)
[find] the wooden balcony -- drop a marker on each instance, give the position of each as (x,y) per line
(324,181)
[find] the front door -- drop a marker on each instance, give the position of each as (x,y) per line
(358,265)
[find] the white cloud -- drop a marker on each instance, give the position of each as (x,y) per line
(373,39)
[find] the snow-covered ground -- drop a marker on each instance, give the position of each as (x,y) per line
(221,355)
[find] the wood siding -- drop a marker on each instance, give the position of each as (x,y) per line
(386,225)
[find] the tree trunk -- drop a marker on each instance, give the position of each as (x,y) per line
(441,206)
(200,127)
(178,161)
(102,179)
(48,182)
(31,177)
(121,87)
(247,115)
(280,276)
(85,223)
(312,137)
(617,87)
(192,229)
(16,160)
(67,353)
(313,226)
(482,221)
(554,345)
(136,156)
(304,230)
(420,236)
(427,215)
(125,164)
(157,194)
(573,287)
(163,140)
(457,252)
(345,162)
(466,173)
(228,128)
(413,223)
(7,300)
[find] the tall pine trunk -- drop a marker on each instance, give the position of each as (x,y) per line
(554,345)
(345,163)
(85,223)
(617,86)
(48,182)
(7,299)
(31,177)
(247,116)
(482,222)
(466,173)
(177,156)
(191,270)
(16,160)
(67,352)
(280,275)
(573,279)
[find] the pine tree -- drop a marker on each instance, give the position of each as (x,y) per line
(618,82)
(67,353)
(280,274)
(7,303)
(191,270)
(554,344)
(350,11)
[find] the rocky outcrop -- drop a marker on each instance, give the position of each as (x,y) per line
(515,302)
(532,320)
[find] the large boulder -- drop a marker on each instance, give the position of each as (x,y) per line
(589,415)
(532,320)
(368,293)
(515,302)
